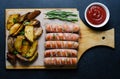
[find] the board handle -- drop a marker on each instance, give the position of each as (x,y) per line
(90,38)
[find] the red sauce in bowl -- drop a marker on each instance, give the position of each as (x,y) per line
(96,14)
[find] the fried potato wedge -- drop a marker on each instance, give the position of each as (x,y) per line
(32,50)
(19,29)
(11,20)
(14,28)
(18,43)
(37,32)
(29,33)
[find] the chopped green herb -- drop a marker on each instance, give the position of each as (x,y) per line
(22,33)
(15,52)
(23,42)
(26,23)
(26,56)
(15,20)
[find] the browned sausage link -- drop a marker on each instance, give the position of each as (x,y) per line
(60,53)
(33,14)
(61,44)
(21,57)
(58,61)
(62,36)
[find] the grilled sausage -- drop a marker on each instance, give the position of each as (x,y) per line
(60,61)
(62,28)
(62,36)
(60,53)
(61,44)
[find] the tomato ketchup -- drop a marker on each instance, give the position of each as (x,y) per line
(96,14)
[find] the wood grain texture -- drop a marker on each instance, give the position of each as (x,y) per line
(91,38)
(40,67)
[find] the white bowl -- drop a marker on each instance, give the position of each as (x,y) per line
(107,15)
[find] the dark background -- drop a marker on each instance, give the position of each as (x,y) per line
(96,63)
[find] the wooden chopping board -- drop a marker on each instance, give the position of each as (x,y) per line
(91,38)
(88,38)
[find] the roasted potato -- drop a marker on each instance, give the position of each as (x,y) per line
(33,57)
(10,44)
(32,50)
(23,34)
(29,33)
(33,14)
(18,43)
(37,32)
(14,28)
(12,19)
(25,47)
(35,23)
(19,29)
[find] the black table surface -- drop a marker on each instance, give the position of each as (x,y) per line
(96,63)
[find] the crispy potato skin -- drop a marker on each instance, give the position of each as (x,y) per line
(29,33)
(10,21)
